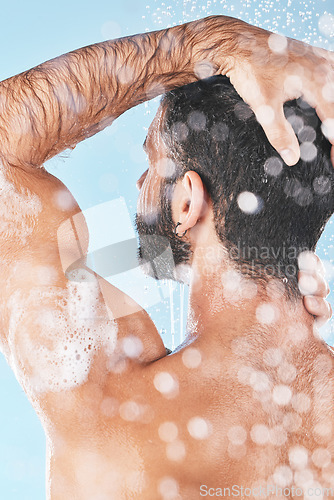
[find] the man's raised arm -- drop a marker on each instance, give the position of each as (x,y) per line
(63,101)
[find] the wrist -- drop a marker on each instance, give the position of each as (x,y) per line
(216,44)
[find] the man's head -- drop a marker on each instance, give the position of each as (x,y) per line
(265,213)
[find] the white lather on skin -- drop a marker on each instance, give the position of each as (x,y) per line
(53,333)
(18,211)
(55,354)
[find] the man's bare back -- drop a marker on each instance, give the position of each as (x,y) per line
(236,404)
(137,426)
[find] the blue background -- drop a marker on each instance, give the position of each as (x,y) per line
(106,166)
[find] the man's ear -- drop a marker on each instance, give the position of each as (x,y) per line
(191,201)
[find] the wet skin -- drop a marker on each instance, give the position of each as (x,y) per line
(244,400)
(138,423)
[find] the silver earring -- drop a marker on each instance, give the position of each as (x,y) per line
(175,229)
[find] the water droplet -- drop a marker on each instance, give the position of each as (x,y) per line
(249,203)
(168,431)
(282,395)
(273,166)
(237,434)
(191,357)
(165,383)
(198,428)
(259,434)
(298,457)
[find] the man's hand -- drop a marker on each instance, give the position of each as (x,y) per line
(268,69)
(314,287)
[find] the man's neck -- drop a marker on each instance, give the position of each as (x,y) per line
(226,308)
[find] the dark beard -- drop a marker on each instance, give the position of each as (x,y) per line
(160,249)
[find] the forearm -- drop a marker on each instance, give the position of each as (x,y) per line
(63,101)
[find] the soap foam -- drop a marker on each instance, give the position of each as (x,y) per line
(18,211)
(54,334)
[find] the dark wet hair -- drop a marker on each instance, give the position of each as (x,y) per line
(208,128)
